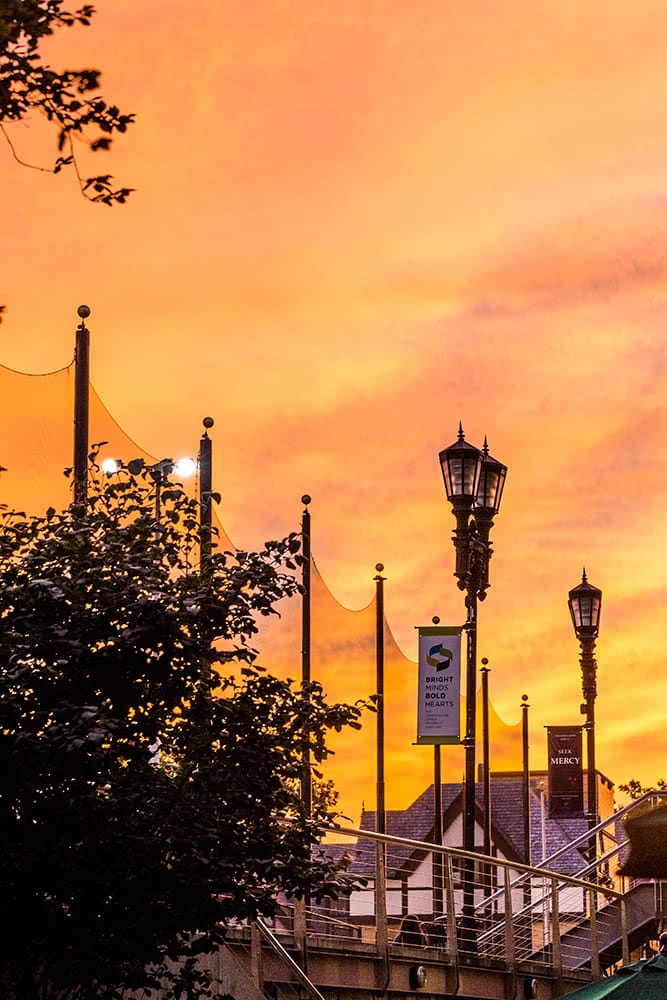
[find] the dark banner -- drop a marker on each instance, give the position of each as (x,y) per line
(566,773)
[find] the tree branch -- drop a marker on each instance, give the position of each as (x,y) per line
(24,163)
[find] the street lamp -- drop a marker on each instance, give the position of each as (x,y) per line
(159,472)
(474,483)
(585,602)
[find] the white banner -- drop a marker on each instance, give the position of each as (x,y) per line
(439,694)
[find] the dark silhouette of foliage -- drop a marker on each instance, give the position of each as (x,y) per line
(68,99)
(635,789)
(149,767)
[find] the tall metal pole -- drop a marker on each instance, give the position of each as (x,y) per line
(380,812)
(306,784)
(526,778)
(474,483)
(438,891)
(469,936)
(585,602)
(479,551)
(590,758)
(485,748)
(438,897)
(205,496)
(471,722)
(81,406)
(303,906)
(543,840)
(159,474)
(526,795)
(589,687)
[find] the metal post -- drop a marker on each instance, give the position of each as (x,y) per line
(474,483)
(205,495)
(510,943)
(380,812)
(305,581)
(437,869)
(307,778)
(526,778)
(592,921)
(306,783)
(159,474)
(468,933)
(471,697)
(81,406)
(301,931)
(381,930)
(256,957)
(556,956)
(585,602)
(379,694)
(625,944)
(588,672)
(527,885)
(543,836)
(437,832)
(485,749)
(489,870)
(452,942)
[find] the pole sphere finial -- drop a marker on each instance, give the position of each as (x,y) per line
(435,620)
(485,660)
(208,422)
(305,499)
(524,697)
(379,567)
(83,312)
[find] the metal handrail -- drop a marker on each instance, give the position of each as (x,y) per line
(582,839)
(273,941)
(458,852)
(500,934)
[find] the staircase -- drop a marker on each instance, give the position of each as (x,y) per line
(532,930)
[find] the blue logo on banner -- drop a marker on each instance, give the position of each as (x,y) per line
(439,657)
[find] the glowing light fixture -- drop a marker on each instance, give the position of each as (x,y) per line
(185,467)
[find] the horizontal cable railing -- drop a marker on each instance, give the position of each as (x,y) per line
(473,907)
(600,871)
(466,909)
(606,828)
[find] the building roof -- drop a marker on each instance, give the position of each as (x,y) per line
(417,823)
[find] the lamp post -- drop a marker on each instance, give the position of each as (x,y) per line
(206,497)
(159,472)
(485,752)
(488,874)
(526,779)
(545,884)
(474,484)
(81,407)
(585,602)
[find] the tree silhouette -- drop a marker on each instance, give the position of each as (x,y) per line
(68,99)
(149,767)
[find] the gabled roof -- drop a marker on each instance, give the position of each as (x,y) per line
(417,823)
(559,834)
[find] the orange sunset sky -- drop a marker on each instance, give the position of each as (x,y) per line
(356,223)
